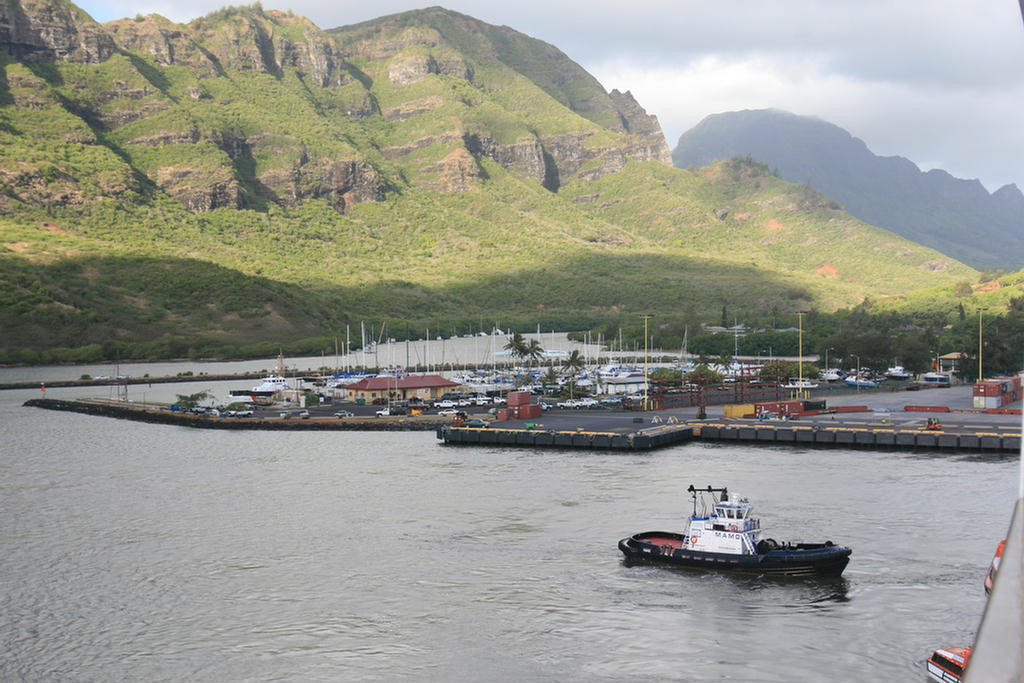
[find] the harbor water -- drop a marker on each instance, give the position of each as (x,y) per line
(138,552)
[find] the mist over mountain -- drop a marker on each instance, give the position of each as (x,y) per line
(955,216)
(250,176)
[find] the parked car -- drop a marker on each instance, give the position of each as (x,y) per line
(449,411)
(476,422)
(344,413)
(304,414)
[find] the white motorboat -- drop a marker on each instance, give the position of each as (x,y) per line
(897,372)
(800,384)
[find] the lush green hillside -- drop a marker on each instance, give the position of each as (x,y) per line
(957,217)
(248,177)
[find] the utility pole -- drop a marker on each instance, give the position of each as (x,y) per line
(647,382)
(980,312)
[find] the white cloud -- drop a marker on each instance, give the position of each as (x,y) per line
(969,133)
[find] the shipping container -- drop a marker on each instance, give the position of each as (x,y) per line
(518,398)
(530,411)
(740,410)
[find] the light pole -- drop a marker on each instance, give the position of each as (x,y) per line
(980,312)
(646,317)
(856,378)
(800,351)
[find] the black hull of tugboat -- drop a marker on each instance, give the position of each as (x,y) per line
(801,559)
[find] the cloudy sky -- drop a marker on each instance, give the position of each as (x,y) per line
(940,82)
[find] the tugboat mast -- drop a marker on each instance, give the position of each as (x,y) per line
(694,491)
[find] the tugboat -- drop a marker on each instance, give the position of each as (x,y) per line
(729,539)
(947,664)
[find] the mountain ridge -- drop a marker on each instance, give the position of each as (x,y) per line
(959,217)
(398,169)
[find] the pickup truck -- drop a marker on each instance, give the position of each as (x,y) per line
(393,410)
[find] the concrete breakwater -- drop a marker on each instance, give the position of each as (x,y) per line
(803,435)
(153,415)
(640,440)
(612,431)
(867,436)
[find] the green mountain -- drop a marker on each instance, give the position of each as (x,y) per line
(957,217)
(249,177)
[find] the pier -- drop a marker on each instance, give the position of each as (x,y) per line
(640,440)
(267,421)
(890,423)
(844,434)
(869,436)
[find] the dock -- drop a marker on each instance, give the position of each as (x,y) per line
(846,436)
(639,440)
(161,415)
(868,436)
(891,426)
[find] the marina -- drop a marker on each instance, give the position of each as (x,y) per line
(170,555)
(888,423)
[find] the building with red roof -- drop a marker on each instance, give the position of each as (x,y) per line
(425,387)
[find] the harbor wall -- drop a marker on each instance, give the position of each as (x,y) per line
(183,419)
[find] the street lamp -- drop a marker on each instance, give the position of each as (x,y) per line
(980,312)
(646,317)
(800,350)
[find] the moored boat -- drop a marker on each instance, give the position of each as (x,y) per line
(800,384)
(897,372)
(994,568)
(947,664)
(937,378)
(270,385)
(832,375)
(728,538)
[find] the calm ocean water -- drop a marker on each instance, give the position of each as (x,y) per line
(136,552)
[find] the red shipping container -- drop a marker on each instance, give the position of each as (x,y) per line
(529,412)
(518,398)
(502,414)
(792,407)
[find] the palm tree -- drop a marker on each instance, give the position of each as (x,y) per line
(533,351)
(550,378)
(516,346)
(573,364)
